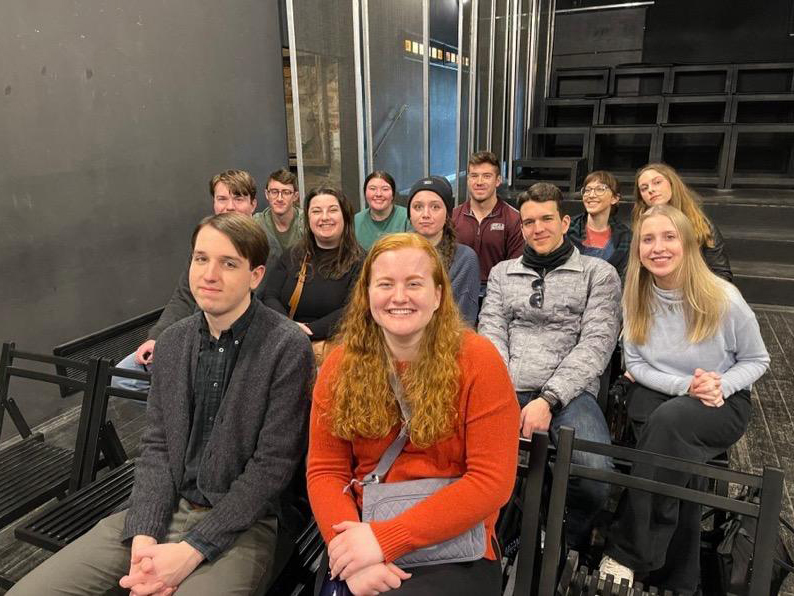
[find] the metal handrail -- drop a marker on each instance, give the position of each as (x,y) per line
(389,128)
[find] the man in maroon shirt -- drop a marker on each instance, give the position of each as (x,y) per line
(485,222)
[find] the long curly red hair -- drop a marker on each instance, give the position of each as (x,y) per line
(363,401)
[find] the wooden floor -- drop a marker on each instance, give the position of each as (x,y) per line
(768,440)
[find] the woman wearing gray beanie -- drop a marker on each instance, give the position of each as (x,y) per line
(430,205)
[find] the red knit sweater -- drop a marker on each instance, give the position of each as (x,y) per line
(482,451)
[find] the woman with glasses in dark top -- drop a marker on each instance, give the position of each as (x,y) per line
(311,283)
(597,232)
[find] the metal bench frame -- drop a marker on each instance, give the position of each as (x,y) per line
(114,342)
(766,512)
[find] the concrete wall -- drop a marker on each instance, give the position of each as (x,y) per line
(113,116)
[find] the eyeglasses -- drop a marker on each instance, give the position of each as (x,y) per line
(596,190)
(274,192)
(536,299)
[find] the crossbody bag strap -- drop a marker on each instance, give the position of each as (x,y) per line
(392,451)
(296,293)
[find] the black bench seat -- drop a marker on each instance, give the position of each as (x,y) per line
(31,473)
(67,520)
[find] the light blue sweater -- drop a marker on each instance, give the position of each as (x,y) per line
(666,362)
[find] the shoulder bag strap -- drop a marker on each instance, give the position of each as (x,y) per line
(296,293)
(390,455)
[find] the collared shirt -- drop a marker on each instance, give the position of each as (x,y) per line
(216,360)
(495,239)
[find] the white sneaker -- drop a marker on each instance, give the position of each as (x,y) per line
(610,566)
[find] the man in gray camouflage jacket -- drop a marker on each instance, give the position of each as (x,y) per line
(554,316)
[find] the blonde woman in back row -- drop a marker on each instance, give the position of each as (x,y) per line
(660,184)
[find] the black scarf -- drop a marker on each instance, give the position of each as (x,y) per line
(554,259)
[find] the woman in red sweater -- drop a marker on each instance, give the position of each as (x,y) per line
(463,423)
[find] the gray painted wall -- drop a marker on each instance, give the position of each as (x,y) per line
(113,116)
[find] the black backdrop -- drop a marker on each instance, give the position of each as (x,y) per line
(687,31)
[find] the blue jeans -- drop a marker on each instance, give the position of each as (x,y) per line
(585,497)
(134,384)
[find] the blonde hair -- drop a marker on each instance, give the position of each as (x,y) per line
(704,298)
(683,198)
(363,402)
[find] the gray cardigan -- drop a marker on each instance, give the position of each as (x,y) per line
(258,439)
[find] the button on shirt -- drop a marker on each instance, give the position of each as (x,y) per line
(216,360)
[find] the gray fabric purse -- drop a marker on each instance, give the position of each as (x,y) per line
(383,501)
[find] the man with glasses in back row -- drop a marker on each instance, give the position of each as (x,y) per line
(553,314)
(283,219)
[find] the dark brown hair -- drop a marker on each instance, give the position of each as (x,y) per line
(243,232)
(607,179)
(481,157)
(542,192)
(347,253)
(382,175)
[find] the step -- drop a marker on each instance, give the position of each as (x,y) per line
(764,211)
(765,283)
(766,244)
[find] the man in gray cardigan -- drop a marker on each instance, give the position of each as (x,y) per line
(231,191)
(226,429)
(553,314)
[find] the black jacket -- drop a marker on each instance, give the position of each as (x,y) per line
(716,258)
(621,240)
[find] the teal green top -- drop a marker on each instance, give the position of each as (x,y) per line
(368,230)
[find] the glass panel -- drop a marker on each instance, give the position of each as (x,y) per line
(501,77)
(522,72)
(464,64)
(443,87)
(326,82)
(484,80)
(395,49)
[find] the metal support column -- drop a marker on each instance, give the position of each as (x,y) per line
(367,84)
(459,103)
(426,84)
(359,94)
(296,109)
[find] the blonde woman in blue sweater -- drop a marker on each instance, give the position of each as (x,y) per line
(693,346)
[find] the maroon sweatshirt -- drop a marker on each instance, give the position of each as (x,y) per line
(496,238)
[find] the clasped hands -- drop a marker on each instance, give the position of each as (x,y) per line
(355,556)
(158,569)
(707,387)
